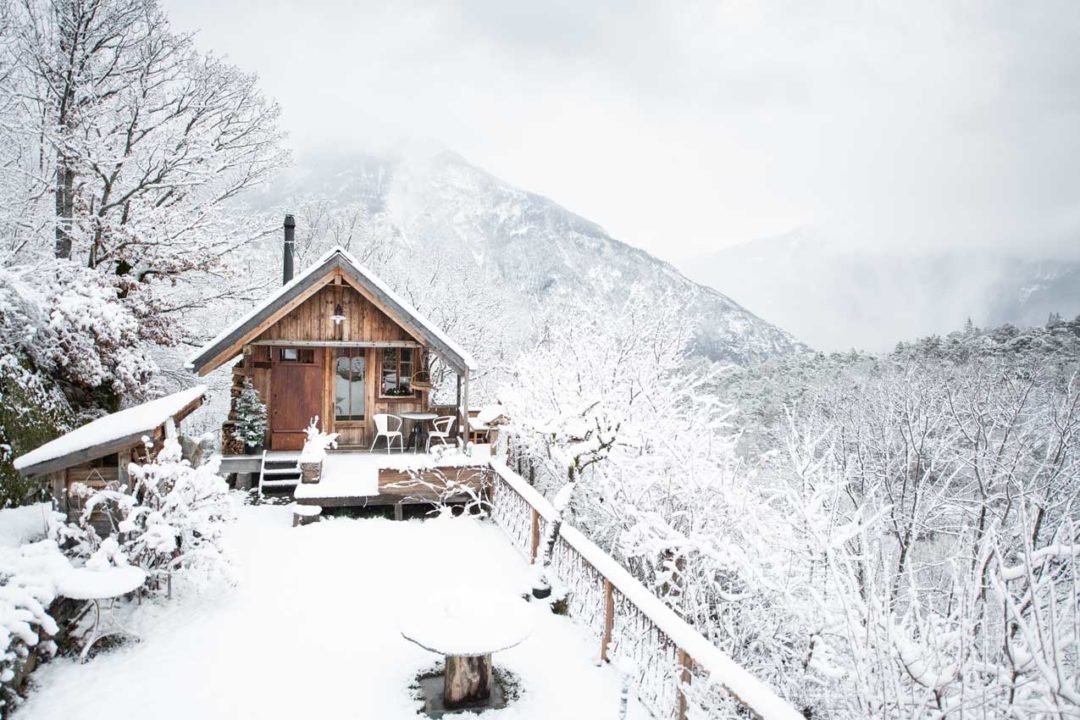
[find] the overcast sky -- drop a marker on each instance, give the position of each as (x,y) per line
(685,126)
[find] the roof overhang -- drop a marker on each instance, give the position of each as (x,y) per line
(108,447)
(338,262)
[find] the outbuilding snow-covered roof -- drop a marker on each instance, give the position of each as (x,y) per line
(108,434)
(340,258)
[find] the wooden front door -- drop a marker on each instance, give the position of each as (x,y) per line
(296,391)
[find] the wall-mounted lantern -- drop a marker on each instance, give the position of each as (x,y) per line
(339,314)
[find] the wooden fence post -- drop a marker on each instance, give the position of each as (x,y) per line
(534,535)
(609,620)
(685,663)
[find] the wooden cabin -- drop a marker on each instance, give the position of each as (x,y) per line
(98,454)
(336,343)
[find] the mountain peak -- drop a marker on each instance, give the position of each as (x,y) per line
(528,247)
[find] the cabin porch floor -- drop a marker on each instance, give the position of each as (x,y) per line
(363,478)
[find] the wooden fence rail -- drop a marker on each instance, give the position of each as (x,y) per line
(676,665)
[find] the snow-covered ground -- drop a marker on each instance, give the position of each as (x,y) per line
(311,630)
(23,524)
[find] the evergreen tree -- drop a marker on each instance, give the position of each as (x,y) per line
(250,416)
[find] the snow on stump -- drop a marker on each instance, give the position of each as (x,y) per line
(467,627)
(310,472)
(314,452)
(305,514)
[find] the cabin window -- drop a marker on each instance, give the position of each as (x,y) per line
(349,384)
(395,379)
(297,355)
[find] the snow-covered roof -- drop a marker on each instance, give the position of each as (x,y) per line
(108,434)
(339,258)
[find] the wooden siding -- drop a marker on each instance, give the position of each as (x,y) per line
(310,321)
(95,477)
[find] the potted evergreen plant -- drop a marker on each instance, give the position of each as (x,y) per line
(250,411)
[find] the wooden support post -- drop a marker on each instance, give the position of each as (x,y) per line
(534,536)
(399,512)
(609,620)
(685,663)
(123,460)
(59,491)
(465,427)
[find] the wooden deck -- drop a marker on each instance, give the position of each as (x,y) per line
(355,478)
(438,484)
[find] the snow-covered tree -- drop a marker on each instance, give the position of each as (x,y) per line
(250,416)
(124,153)
(602,404)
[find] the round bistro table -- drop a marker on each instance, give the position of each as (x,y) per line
(466,628)
(419,427)
(97,585)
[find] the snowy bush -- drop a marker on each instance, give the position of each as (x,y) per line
(27,589)
(250,416)
(169,523)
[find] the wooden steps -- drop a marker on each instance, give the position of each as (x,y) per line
(279,471)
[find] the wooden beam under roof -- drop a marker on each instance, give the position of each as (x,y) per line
(340,343)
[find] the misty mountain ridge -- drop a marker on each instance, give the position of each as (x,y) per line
(836,298)
(528,249)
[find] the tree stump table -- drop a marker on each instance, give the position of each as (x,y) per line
(467,628)
(96,585)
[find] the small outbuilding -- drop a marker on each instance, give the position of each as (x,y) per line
(99,452)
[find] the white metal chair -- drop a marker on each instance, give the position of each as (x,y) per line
(442,431)
(383,429)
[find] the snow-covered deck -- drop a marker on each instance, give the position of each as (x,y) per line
(311,630)
(380,478)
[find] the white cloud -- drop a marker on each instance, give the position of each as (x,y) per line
(681,125)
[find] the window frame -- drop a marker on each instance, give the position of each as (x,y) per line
(351,353)
(403,356)
(304,356)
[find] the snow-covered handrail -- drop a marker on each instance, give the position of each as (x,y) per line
(693,650)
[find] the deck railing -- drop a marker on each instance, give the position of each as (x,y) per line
(680,674)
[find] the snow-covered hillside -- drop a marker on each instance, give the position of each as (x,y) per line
(530,252)
(835,298)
